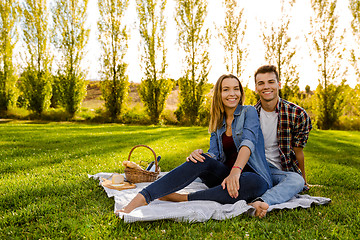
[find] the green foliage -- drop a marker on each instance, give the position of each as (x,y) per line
(329,104)
(135,115)
(35,86)
(168,118)
(232,36)
(155,87)
(349,123)
(36,34)
(113,37)
(8,39)
(70,38)
(204,111)
(251,98)
(45,192)
(194,40)
(354,99)
(154,94)
(354,6)
(280,52)
(35,81)
(115,92)
(71,89)
(327,42)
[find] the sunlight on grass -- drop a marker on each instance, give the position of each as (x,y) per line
(45,191)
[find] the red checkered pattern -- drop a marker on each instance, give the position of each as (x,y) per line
(293,130)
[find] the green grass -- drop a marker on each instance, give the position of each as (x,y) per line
(45,192)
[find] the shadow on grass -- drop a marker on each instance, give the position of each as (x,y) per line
(335,147)
(48,145)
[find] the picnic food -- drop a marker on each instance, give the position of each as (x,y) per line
(117,179)
(130,164)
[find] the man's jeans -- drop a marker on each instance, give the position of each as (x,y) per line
(286,185)
(212,173)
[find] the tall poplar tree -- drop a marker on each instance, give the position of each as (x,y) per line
(231,36)
(354,6)
(36,78)
(155,87)
(280,50)
(8,38)
(355,53)
(193,38)
(113,37)
(70,38)
(327,43)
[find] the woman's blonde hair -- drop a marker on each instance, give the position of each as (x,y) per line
(217,111)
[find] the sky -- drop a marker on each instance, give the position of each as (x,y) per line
(255,12)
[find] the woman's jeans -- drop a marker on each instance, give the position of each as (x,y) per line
(212,173)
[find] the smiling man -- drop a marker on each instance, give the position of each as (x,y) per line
(286,128)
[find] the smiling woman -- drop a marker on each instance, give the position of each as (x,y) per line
(231,94)
(236,157)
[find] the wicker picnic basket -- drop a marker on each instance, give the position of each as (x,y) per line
(139,175)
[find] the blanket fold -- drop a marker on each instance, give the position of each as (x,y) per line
(193,211)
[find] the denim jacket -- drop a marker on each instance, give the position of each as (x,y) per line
(246,131)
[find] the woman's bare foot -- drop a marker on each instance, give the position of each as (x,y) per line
(136,202)
(260,208)
(175,197)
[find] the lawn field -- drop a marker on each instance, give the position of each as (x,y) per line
(45,192)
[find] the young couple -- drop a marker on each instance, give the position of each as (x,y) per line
(256,153)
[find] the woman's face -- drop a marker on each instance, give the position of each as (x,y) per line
(230,93)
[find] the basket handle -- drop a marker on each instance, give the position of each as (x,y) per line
(141,145)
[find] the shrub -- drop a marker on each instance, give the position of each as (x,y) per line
(168,118)
(56,114)
(36,89)
(349,123)
(135,115)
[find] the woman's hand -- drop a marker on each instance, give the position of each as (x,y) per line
(232,183)
(196,156)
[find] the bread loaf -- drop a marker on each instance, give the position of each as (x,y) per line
(131,165)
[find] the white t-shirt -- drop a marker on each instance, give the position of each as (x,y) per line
(268,122)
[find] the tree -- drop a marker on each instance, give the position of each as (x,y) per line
(193,38)
(113,37)
(70,37)
(280,52)
(326,41)
(335,96)
(251,98)
(35,81)
(8,38)
(155,87)
(355,26)
(232,36)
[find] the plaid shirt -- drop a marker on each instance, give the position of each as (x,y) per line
(293,130)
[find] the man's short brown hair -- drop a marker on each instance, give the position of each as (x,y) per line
(267,69)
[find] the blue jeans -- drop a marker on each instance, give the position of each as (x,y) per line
(212,173)
(286,185)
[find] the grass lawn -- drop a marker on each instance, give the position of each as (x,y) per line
(45,192)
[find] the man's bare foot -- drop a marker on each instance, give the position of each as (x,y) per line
(260,208)
(175,197)
(136,202)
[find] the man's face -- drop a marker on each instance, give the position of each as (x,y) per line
(267,86)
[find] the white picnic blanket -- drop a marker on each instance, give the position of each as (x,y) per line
(193,211)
